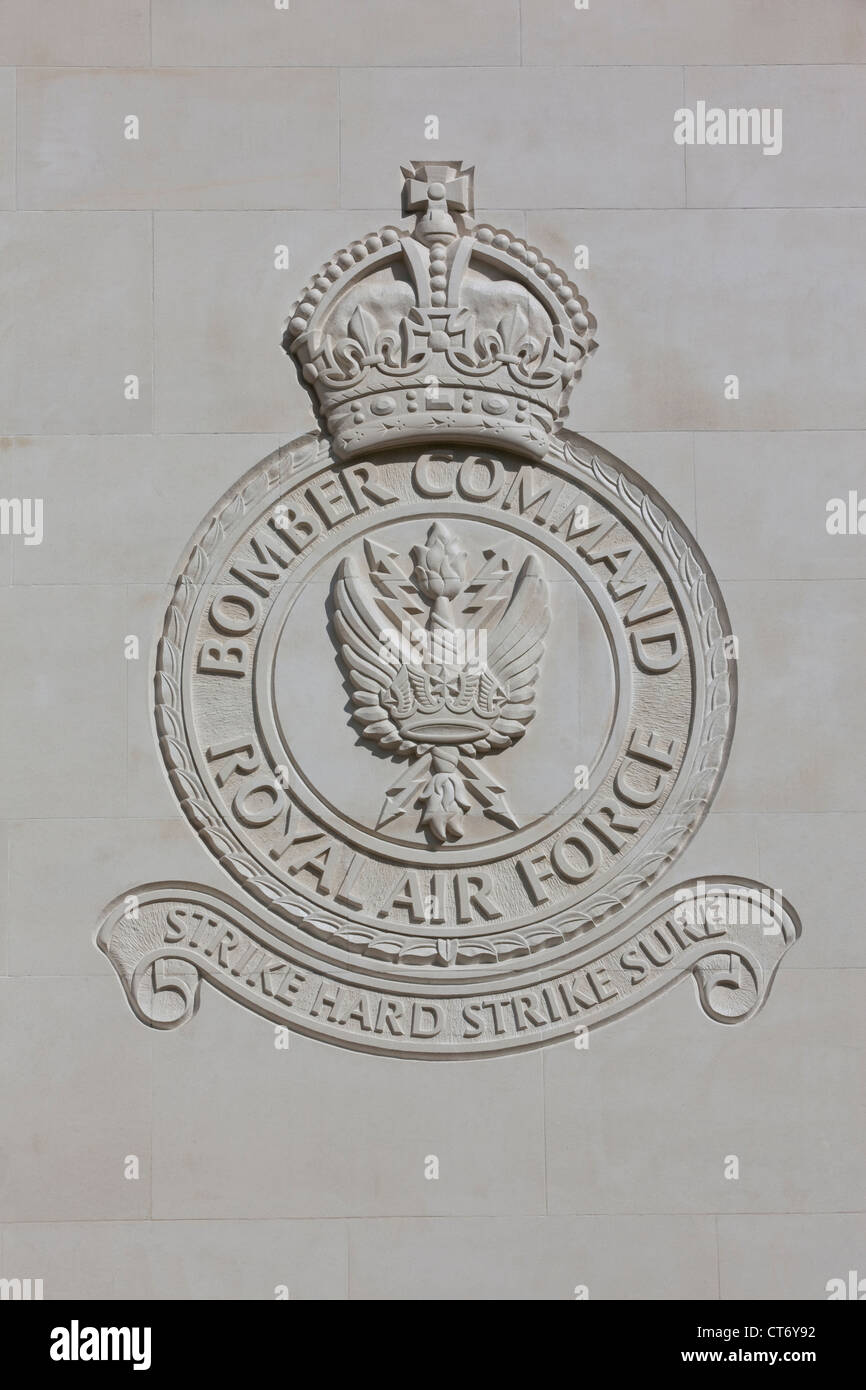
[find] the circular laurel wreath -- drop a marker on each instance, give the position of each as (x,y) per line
(563,926)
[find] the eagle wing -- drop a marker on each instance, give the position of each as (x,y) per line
(514,650)
(378,677)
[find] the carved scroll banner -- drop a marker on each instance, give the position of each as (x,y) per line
(729,936)
(444,687)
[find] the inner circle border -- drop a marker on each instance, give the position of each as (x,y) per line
(699,591)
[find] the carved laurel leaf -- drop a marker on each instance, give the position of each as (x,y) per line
(186,786)
(651,514)
(474,952)
(174,626)
(167,720)
(184,595)
(355,939)
(324,931)
(384,950)
(221,843)
(197,566)
(547,936)
(269,890)
(167,657)
(175,754)
(200,816)
(233,511)
(253,489)
(166,695)
(419,954)
(510,946)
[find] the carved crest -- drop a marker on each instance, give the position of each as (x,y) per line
(503,602)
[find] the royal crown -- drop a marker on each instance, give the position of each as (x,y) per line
(449,329)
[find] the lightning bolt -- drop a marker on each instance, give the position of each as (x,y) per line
(401,797)
(489,793)
(389,577)
(489,586)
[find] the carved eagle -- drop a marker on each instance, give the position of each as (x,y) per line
(476,707)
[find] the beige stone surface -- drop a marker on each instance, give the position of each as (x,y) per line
(822,139)
(786,1257)
(7,137)
(68,1127)
(619,121)
(57,295)
(75,33)
(685,298)
(4,898)
(548,1258)
(385,33)
(230,1260)
(785,480)
(305,1167)
(350,1135)
(694,31)
(142,495)
(250,138)
(797,745)
(644,1120)
(69,641)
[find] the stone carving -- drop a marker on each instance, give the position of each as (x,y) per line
(437,692)
(445,690)
(183,935)
(501,333)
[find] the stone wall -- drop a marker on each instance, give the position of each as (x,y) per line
(154,258)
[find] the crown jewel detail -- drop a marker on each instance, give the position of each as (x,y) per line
(449,329)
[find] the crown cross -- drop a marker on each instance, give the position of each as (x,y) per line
(433,192)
